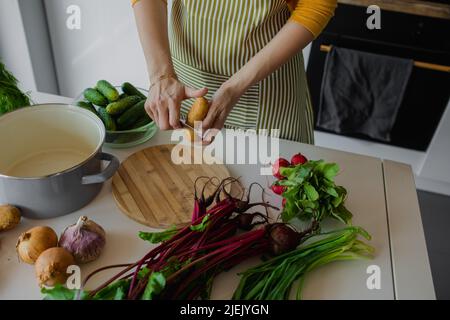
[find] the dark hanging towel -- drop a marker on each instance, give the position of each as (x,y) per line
(362,92)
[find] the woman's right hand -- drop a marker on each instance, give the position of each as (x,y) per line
(164,101)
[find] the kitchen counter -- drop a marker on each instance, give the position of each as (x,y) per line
(382,198)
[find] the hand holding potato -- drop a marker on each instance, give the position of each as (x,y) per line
(220,107)
(164,101)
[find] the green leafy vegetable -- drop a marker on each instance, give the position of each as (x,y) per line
(11,98)
(311,193)
(115,291)
(156,284)
(274,279)
(60,292)
(157,237)
(202,225)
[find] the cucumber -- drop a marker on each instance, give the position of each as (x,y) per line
(123,95)
(108,121)
(131,90)
(132,115)
(86,105)
(118,107)
(141,122)
(94,96)
(107,89)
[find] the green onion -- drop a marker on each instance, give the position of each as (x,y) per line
(274,279)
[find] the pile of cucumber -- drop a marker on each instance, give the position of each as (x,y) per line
(118,111)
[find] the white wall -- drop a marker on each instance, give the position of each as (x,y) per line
(25,46)
(38,40)
(437,163)
(106,47)
(13,44)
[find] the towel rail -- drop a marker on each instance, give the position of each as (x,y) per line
(418,64)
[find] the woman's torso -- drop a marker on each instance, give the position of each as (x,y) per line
(212,39)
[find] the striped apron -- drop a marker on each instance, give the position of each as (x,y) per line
(210,40)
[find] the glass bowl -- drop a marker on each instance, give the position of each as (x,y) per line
(126,138)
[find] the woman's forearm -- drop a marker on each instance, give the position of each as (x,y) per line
(151,20)
(292,38)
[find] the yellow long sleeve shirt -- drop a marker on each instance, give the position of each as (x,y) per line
(314,15)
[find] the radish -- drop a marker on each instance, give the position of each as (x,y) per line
(278,189)
(279,163)
(298,159)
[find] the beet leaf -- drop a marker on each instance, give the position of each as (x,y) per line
(158,237)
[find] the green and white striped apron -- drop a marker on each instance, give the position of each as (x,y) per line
(211,40)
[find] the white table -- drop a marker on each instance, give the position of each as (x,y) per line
(382,197)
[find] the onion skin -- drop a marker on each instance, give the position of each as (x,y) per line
(51,266)
(85,240)
(9,217)
(35,241)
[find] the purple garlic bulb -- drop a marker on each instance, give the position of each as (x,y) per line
(85,240)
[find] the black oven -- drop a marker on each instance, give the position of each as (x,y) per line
(402,35)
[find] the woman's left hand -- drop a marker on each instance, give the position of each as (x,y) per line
(221,105)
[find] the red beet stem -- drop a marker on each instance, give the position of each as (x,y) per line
(227,244)
(221,258)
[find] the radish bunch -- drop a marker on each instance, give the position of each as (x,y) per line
(297,159)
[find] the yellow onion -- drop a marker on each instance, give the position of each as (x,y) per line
(85,240)
(51,266)
(35,241)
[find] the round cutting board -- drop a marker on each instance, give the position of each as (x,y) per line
(151,189)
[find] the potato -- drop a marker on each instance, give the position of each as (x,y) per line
(198,111)
(9,217)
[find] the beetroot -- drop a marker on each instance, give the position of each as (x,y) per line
(298,159)
(279,163)
(283,238)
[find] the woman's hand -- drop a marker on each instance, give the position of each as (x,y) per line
(221,105)
(164,101)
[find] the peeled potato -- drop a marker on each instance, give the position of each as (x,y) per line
(198,112)
(9,217)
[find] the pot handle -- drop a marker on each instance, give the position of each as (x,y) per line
(106,174)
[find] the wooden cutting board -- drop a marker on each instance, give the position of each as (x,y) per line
(152,190)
